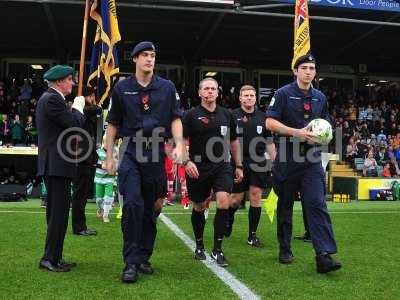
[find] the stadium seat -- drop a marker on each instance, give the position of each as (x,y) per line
(359,164)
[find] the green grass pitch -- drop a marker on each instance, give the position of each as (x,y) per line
(368,236)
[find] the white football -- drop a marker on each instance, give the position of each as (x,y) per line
(322,129)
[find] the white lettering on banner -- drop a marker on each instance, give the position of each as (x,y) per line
(343,2)
(368,2)
(388,4)
(380,3)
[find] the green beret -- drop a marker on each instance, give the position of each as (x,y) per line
(58,72)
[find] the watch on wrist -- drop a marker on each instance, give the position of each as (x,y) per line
(185,162)
(239,167)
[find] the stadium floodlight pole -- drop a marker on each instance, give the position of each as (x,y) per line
(83,48)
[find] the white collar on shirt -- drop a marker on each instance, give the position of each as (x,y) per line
(58,92)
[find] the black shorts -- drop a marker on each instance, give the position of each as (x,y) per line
(215,177)
(253,174)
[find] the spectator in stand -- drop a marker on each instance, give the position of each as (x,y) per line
(30,132)
(14,90)
(14,108)
(17,131)
(386,170)
(362,114)
(32,106)
(370,165)
(376,114)
(385,110)
(381,138)
(368,112)
(5,133)
(396,154)
(394,167)
(382,156)
(347,132)
(396,141)
(25,91)
(352,114)
(364,132)
(372,140)
(351,150)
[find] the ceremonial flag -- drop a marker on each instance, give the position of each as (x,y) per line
(302,43)
(104,60)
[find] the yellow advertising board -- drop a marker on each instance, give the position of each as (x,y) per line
(366,184)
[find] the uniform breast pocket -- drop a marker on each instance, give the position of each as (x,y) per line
(295,109)
(295,105)
(316,108)
(132,112)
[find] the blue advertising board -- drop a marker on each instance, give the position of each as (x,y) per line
(382,5)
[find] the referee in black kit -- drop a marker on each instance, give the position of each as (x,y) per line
(210,130)
(255,141)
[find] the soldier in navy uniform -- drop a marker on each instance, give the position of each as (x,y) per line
(145,108)
(55,163)
(299,168)
(255,141)
(211,132)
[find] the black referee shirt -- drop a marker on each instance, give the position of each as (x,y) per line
(213,130)
(251,127)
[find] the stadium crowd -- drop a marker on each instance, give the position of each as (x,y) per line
(369,121)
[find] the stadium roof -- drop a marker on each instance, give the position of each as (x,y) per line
(187,31)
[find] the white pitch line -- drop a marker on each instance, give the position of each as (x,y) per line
(40,212)
(234,284)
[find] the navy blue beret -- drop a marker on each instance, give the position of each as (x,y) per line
(143,46)
(308,58)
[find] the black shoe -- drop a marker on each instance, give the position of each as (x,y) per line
(326,264)
(86,232)
(254,241)
(199,254)
(219,257)
(48,265)
(145,268)
(286,257)
(129,274)
(64,263)
(305,238)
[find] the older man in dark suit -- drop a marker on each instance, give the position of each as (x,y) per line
(54,162)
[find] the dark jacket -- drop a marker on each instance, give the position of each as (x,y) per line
(90,126)
(52,118)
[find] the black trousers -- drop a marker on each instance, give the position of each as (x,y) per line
(82,185)
(57,213)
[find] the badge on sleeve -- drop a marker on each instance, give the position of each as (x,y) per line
(259,129)
(224,130)
(177,97)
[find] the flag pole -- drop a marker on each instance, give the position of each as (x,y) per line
(83,49)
